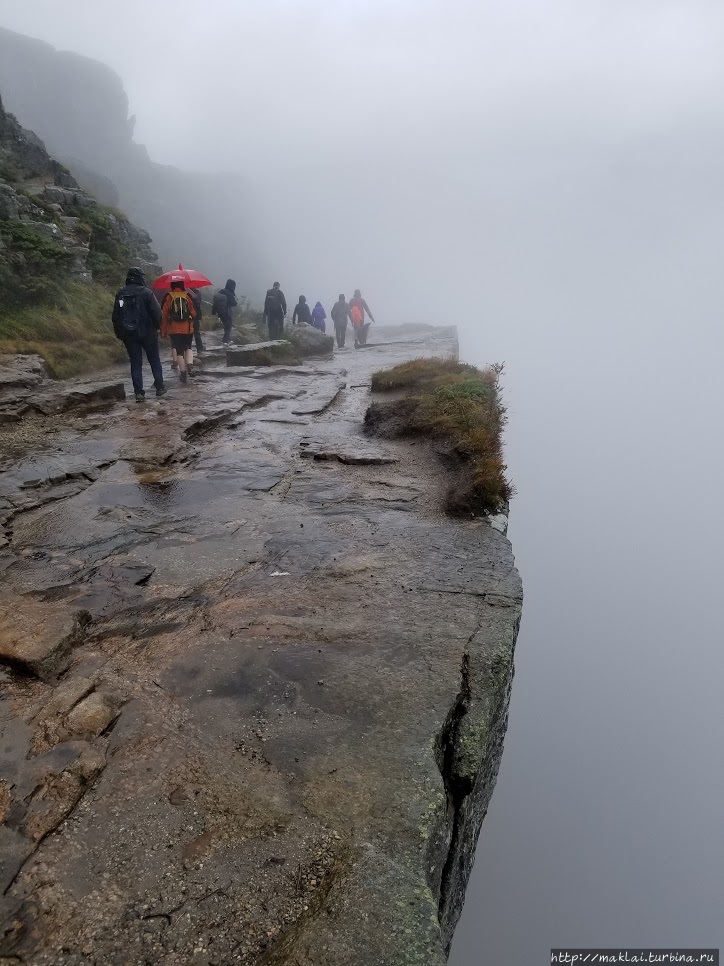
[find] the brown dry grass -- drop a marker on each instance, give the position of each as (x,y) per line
(461,405)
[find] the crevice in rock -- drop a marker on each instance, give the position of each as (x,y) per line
(329,454)
(318,407)
(284,485)
(268,398)
(208,423)
(457,787)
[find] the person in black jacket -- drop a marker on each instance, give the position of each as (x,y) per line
(196,299)
(275,308)
(302,312)
(136,321)
(340,316)
(223,307)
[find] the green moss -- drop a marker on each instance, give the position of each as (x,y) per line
(23,238)
(32,267)
(108,254)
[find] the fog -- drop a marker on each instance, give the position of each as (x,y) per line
(550,178)
(381,145)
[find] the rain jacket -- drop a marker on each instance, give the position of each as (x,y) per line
(363,306)
(150,319)
(302,312)
(196,299)
(225,301)
(185,326)
(340,311)
(275,305)
(318,315)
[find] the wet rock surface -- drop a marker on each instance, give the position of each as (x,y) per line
(25,389)
(254,683)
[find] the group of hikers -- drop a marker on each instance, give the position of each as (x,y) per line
(343,312)
(140,315)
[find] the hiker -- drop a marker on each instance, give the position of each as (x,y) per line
(223,307)
(136,320)
(302,311)
(196,299)
(275,308)
(178,313)
(340,314)
(318,317)
(357,309)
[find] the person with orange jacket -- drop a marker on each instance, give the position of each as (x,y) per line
(178,313)
(357,309)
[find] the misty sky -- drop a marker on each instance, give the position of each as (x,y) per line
(419,80)
(406,147)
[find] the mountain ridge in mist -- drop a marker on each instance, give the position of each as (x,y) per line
(79,107)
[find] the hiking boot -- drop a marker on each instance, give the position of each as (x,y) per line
(161,392)
(174,365)
(191,371)
(140,397)
(183,376)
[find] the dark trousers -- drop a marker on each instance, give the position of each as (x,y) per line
(276,326)
(197,335)
(227,323)
(135,349)
(341,334)
(360,334)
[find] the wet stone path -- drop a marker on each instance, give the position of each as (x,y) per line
(231,633)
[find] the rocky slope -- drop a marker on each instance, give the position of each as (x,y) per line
(50,229)
(79,108)
(255,684)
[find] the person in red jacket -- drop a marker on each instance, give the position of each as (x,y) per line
(357,309)
(178,314)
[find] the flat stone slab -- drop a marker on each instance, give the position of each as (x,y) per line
(352,455)
(38,637)
(76,395)
(319,401)
(260,353)
(21,372)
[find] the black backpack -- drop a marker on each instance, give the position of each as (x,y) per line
(274,301)
(179,310)
(220,303)
(130,306)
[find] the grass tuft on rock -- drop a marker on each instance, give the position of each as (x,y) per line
(73,333)
(456,404)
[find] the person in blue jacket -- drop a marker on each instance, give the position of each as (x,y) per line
(318,317)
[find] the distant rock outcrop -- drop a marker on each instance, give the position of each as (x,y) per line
(80,109)
(50,229)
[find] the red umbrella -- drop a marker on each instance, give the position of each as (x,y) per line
(188,276)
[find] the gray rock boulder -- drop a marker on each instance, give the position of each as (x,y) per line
(9,209)
(308,341)
(261,354)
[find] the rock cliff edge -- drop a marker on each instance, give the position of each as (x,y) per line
(254,681)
